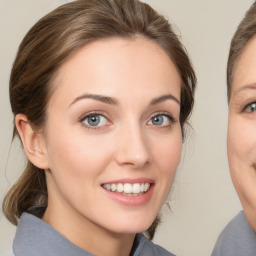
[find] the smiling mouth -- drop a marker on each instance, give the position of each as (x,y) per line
(128,189)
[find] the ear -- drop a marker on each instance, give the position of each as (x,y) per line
(33,142)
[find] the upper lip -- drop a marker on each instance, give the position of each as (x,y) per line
(130,180)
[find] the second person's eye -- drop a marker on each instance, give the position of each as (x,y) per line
(250,108)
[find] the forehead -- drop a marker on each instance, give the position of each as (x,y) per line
(244,73)
(113,63)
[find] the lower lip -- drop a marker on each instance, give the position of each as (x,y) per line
(131,200)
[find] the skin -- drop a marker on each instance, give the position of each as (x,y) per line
(241,131)
(134,74)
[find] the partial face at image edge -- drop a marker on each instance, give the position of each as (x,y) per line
(241,131)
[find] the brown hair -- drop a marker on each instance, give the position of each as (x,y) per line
(47,46)
(244,33)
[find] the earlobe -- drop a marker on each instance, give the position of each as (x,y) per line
(32,141)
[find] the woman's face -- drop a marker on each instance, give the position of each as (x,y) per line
(242,131)
(112,138)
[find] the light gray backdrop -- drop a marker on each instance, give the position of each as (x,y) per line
(203,200)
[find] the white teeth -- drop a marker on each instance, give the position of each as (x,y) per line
(146,187)
(113,187)
(120,188)
(128,188)
(136,188)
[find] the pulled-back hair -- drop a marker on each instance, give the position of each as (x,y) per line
(245,32)
(50,42)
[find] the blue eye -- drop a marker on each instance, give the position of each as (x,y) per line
(95,120)
(161,120)
(250,108)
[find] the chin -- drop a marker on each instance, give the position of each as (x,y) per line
(133,226)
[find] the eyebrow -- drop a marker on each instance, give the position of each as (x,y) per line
(113,101)
(246,87)
(163,98)
(101,98)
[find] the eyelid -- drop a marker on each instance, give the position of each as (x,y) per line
(91,113)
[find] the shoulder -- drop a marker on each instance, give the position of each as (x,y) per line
(237,238)
(36,237)
(145,247)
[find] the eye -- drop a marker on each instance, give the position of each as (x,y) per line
(94,120)
(161,120)
(250,108)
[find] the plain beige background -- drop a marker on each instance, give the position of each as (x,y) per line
(203,198)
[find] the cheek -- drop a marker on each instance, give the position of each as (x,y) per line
(167,154)
(242,157)
(241,141)
(76,156)
(166,157)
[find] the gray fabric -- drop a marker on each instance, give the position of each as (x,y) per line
(34,237)
(144,247)
(236,239)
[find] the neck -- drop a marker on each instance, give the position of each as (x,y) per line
(86,234)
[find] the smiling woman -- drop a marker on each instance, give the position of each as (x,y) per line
(100,92)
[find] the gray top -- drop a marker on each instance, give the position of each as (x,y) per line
(236,239)
(34,237)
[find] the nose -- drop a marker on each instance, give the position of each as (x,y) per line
(132,147)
